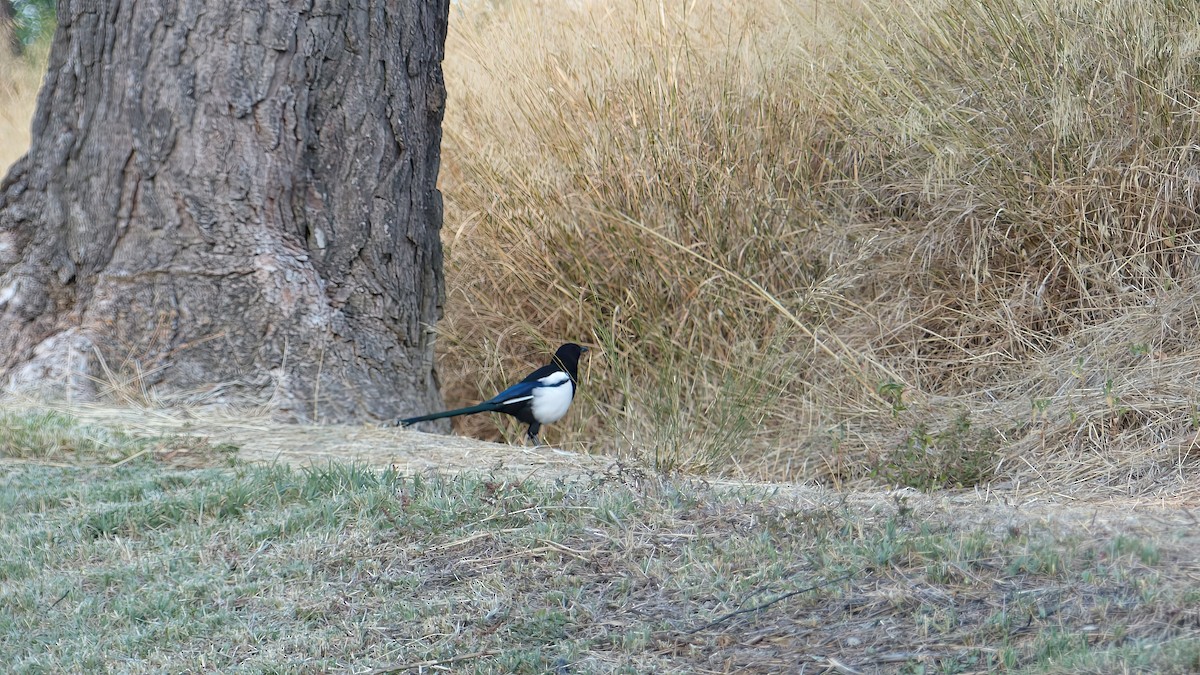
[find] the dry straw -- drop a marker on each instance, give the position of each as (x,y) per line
(20,78)
(849,234)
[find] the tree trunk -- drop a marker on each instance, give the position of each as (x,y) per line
(8,28)
(232,198)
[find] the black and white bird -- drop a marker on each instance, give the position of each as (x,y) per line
(543,397)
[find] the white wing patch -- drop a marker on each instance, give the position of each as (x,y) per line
(552,397)
(554,379)
(518,399)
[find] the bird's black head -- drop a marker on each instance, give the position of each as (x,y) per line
(567,358)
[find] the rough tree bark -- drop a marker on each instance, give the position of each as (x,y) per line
(233,197)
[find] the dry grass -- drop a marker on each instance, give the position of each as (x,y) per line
(20,79)
(801,237)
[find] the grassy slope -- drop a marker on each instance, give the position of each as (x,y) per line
(148,567)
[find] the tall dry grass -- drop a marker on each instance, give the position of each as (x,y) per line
(20,79)
(807,235)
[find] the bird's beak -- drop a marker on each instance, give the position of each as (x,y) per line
(583,350)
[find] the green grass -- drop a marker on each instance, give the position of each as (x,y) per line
(147,567)
(958,456)
(51,436)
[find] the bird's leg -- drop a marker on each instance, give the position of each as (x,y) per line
(532,435)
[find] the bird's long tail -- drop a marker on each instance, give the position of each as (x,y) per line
(482,407)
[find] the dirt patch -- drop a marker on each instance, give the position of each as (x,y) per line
(260,440)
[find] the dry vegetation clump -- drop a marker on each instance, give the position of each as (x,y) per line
(20,79)
(805,234)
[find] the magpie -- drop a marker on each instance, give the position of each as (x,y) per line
(541,398)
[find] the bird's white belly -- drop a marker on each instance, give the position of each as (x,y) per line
(551,403)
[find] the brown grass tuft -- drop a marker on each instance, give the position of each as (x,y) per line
(802,232)
(20,80)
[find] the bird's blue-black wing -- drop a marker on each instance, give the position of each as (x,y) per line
(525,387)
(517,391)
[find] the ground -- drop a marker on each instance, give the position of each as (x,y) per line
(188,542)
